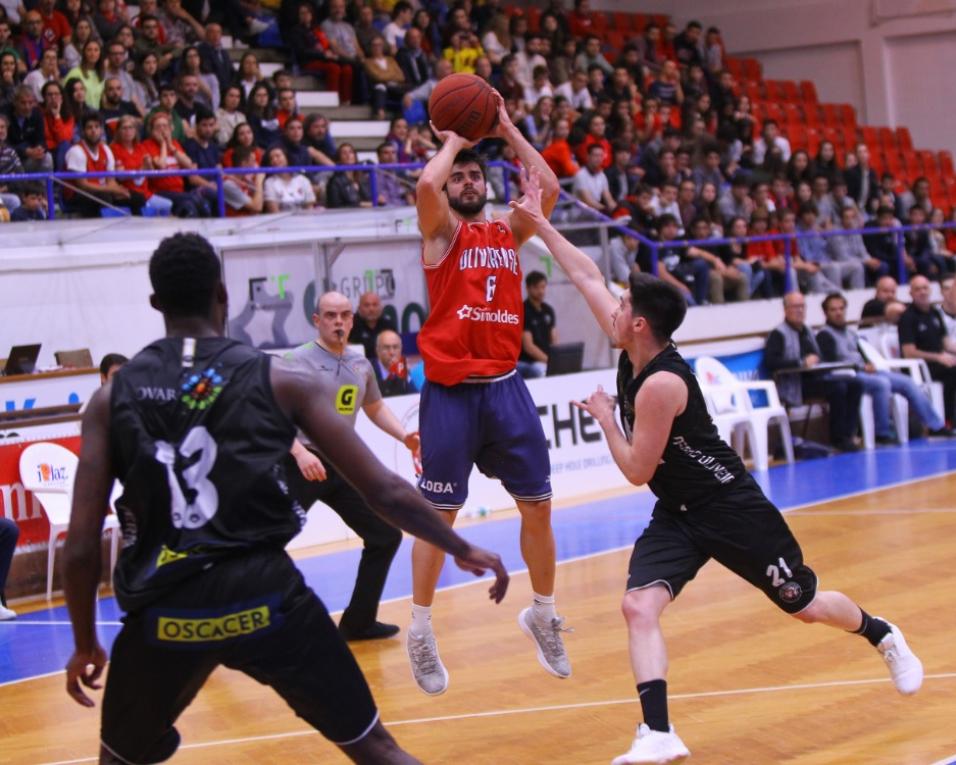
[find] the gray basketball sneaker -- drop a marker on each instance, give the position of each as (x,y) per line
(427,669)
(547,639)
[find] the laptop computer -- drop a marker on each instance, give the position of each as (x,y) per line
(22,359)
(565,358)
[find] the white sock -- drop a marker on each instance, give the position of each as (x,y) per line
(421,620)
(542,607)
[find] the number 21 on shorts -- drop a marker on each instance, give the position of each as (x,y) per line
(773,571)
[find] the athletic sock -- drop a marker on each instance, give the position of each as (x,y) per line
(542,606)
(421,620)
(873,629)
(653,696)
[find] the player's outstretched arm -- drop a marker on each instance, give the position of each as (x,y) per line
(81,553)
(530,158)
(583,272)
(386,493)
(434,216)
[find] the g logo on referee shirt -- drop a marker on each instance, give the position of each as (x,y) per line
(346,399)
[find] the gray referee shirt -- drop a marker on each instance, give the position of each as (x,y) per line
(351,375)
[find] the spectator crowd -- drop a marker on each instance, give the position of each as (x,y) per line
(654,130)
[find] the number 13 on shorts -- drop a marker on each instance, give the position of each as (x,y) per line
(490,285)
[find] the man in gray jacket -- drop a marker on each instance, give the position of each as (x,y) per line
(837,342)
(849,248)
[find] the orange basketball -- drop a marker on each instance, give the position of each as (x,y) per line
(465,104)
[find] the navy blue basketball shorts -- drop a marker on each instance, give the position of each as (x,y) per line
(494,425)
(252,613)
(740,529)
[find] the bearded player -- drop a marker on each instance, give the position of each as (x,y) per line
(475,410)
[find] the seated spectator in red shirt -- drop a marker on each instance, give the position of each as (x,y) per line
(166,153)
(286,106)
(129,154)
(58,124)
(595,135)
(558,153)
(580,20)
(92,155)
(56,29)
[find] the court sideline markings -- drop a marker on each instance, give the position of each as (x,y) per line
(555,708)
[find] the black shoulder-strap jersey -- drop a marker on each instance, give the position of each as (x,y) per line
(696,463)
(197,441)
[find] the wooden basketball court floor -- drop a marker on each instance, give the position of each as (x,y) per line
(748,683)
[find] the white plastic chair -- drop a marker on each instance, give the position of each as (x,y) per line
(889,357)
(715,375)
(48,470)
(730,415)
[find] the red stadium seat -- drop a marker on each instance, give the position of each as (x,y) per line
(847,115)
(639,22)
(831,115)
(946,164)
(790,90)
(797,135)
(752,69)
(752,90)
(911,164)
(870,137)
(794,114)
(774,90)
(773,111)
(811,113)
(928,161)
(903,138)
(534,18)
(887,139)
(877,163)
(813,141)
(735,66)
(808,91)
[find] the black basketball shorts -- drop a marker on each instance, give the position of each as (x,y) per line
(251,613)
(742,530)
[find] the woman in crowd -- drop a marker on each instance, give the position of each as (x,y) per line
(398,136)
(191,63)
(825,163)
(286,191)
(166,153)
(242,136)
(262,116)
(744,121)
(708,209)
(146,83)
(130,155)
(386,78)
(552,30)
(348,188)
(248,75)
(540,126)
(9,77)
(83,31)
(228,115)
(431,36)
(497,39)
(58,123)
(244,192)
(558,153)
(90,70)
(798,168)
(75,101)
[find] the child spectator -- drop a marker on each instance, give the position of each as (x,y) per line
(31,205)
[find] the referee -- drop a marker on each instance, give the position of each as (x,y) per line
(352,378)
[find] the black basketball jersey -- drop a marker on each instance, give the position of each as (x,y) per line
(696,463)
(197,441)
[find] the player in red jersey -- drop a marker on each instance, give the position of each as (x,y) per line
(475,410)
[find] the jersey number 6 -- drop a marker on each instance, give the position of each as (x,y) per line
(490,285)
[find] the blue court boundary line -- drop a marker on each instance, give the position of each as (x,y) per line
(582,530)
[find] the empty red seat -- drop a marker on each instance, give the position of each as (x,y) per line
(946,164)
(534,18)
(790,90)
(928,161)
(847,114)
(752,69)
(797,135)
(774,90)
(887,139)
(813,141)
(735,66)
(903,138)
(794,114)
(811,113)
(808,92)
(831,115)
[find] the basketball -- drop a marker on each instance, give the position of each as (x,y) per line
(465,104)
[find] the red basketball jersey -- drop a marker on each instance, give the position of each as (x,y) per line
(477,312)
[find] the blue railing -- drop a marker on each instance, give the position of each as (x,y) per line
(221,174)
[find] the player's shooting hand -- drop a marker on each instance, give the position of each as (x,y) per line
(85,668)
(477,561)
(311,466)
(450,136)
(599,405)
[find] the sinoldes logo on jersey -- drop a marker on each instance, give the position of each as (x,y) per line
(477,313)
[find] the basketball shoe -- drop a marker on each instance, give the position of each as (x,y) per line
(905,668)
(548,642)
(427,669)
(654,746)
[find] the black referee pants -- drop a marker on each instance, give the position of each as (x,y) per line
(381,539)
(947,376)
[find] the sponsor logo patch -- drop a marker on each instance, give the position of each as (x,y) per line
(169,556)
(790,592)
(477,313)
(200,390)
(346,399)
(437,487)
(208,630)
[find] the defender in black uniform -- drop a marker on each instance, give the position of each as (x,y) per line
(196,427)
(708,505)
